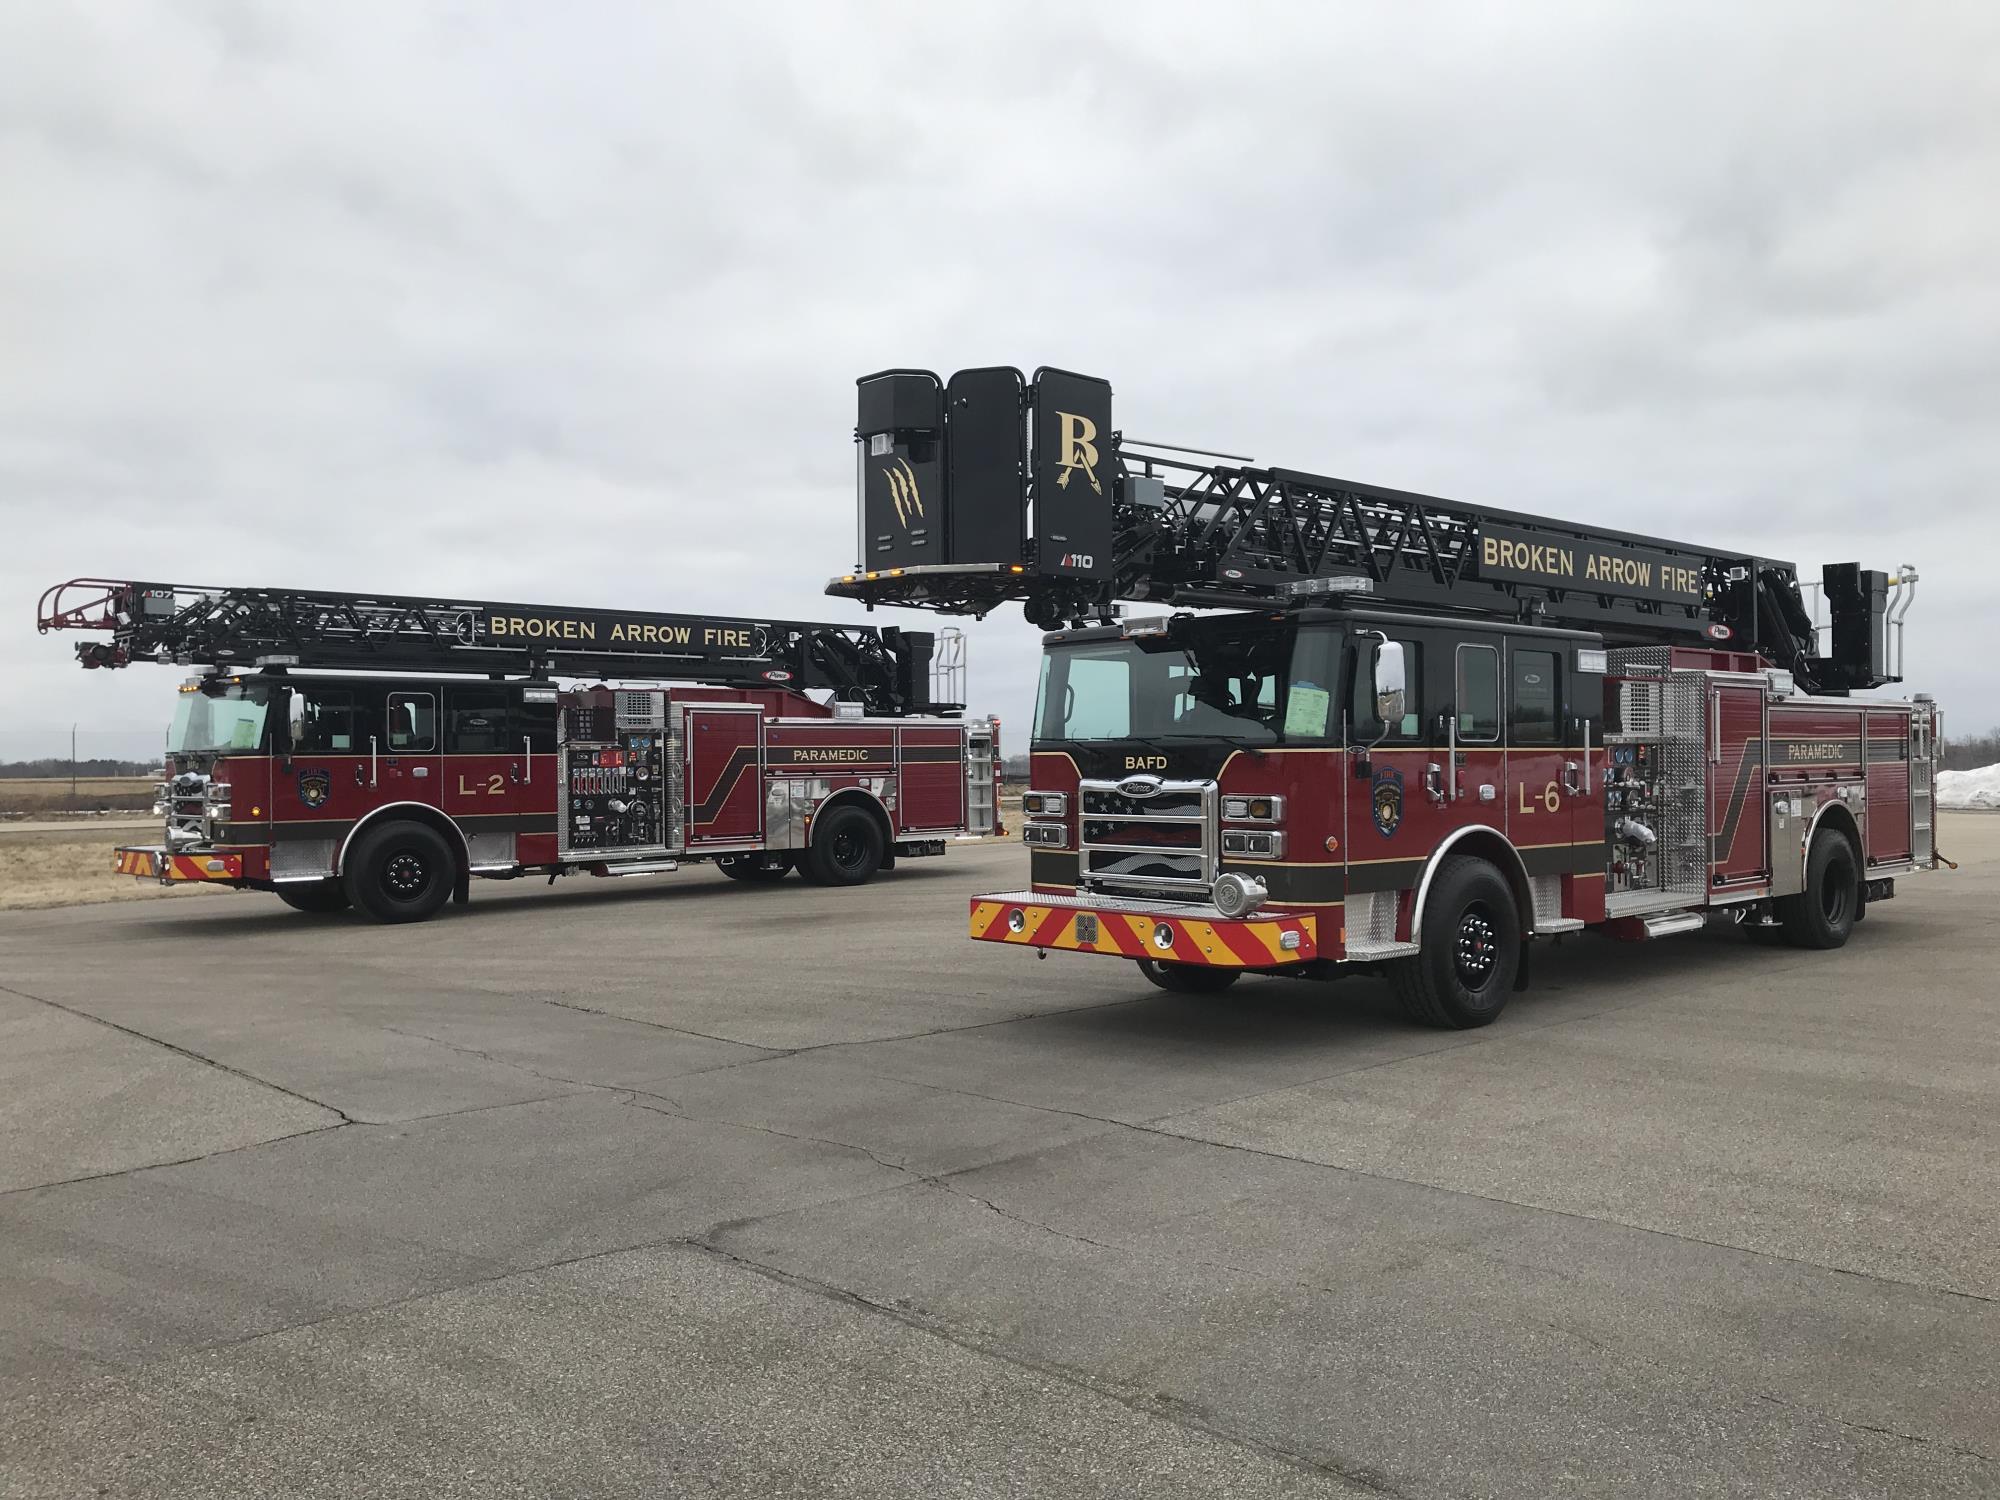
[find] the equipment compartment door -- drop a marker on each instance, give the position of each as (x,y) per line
(724,777)
(1890,824)
(1736,781)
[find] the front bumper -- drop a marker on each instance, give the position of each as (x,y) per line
(1133,929)
(156,863)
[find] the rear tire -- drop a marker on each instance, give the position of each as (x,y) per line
(320,898)
(756,869)
(1470,949)
(400,872)
(847,848)
(1188,979)
(1824,913)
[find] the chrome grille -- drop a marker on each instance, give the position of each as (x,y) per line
(1148,835)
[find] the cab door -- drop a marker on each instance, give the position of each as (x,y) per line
(1476,782)
(407,765)
(1544,776)
(481,789)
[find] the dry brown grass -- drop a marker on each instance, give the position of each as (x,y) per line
(45,798)
(63,871)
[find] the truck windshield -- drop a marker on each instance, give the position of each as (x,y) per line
(231,719)
(1248,681)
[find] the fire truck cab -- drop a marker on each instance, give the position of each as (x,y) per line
(1419,736)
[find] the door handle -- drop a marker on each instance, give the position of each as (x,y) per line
(1570,782)
(1434,783)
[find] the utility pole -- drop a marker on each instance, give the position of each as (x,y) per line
(72,767)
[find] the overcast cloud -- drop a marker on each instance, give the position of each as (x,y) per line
(565,303)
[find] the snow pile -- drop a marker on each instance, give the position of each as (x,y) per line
(1961,789)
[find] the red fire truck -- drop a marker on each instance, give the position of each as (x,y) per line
(376,752)
(1418,736)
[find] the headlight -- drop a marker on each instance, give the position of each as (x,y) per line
(159,809)
(1248,843)
(1045,804)
(1238,895)
(1045,835)
(1253,809)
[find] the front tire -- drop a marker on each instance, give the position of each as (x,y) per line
(321,897)
(1188,979)
(1824,913)
(847,848)
(400,872)
(1469,949)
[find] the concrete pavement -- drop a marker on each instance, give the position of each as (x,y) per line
(681,1187)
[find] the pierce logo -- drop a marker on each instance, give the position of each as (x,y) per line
(1719,632)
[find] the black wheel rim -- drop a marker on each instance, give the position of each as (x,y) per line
(1476,948)
(406,875)
(849,849)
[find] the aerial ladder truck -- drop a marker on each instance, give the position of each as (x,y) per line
(1379,729)
(379,752)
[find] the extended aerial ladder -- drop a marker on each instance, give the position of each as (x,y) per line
(989,488)
(886,670)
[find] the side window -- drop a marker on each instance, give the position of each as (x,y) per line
(1537,705)
(1361,707)
(1310,696)
(1478,693)
(323,721)
(412,723)
(475,720)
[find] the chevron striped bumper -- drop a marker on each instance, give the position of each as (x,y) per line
(171,869)
(1181,935)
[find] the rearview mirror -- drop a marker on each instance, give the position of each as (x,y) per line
(1390,686)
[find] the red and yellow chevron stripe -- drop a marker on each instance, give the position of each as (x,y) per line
(157,864)
(1254,943)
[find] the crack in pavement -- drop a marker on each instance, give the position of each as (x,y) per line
(1908,1437)
(776,1054)
(187,1052)
(184,1161)
(1183,1414)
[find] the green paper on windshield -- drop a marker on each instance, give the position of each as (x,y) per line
(1305,711)
(244,736)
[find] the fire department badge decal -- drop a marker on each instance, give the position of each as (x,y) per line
(315,787)
(1387,801)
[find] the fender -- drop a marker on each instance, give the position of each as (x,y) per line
(1517,878)
(1852,829)
(340,855)
(867,799)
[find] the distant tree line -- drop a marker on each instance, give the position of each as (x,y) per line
(61,766)
(1969,752)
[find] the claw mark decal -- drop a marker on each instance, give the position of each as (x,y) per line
(903,491)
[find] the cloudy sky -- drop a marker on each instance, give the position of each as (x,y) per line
(565,303)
